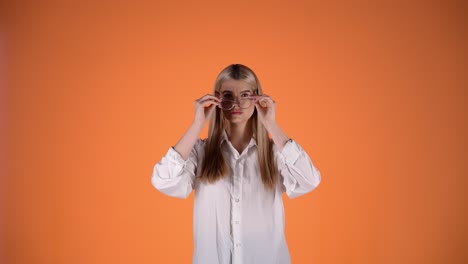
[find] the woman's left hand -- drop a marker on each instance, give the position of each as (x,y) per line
(266,110)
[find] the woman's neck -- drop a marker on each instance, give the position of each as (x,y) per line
(239,135)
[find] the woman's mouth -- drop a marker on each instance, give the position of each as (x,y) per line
(236,112)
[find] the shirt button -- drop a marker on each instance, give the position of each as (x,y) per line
(238,245)
(237,222)
(237,200)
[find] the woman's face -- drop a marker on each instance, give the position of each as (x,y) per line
(239,91)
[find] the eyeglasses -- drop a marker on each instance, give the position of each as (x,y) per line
(244,102)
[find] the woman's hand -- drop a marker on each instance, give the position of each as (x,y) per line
(204,108)
(266,110)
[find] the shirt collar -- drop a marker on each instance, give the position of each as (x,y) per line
(252,142)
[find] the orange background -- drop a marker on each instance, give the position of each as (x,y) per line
(95,92)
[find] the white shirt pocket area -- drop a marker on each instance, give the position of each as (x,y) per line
(298,173)
(173,175)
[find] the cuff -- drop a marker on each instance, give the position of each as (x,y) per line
(175,156)
(291,151)
(178,163)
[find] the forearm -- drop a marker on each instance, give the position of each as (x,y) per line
(187,141)
(278,136)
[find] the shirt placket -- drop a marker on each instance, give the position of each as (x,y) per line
(236,200)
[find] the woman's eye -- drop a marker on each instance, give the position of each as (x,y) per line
(227,96)
(245,95)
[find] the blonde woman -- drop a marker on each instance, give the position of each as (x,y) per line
(238,173)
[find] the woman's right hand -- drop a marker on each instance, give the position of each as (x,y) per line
(204,108)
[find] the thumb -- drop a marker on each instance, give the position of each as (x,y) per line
(210,109)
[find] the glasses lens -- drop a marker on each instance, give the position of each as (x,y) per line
(227,104)
(245,103)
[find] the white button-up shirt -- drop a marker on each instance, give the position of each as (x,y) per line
(236,219)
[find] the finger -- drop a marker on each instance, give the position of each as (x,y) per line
(263,102)
(210,96)
(208,101)
(209,110)
(267,98)
(207,97)
(213,97)
(258,107)
(264,97)
(270,101)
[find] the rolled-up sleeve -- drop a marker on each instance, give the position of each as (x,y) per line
(173,175)
(298,173)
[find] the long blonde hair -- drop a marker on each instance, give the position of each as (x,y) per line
(214,164)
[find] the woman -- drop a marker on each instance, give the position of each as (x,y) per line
(238,173)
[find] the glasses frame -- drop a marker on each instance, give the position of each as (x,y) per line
(253,97)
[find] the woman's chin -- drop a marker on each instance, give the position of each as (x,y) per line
(237,119)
